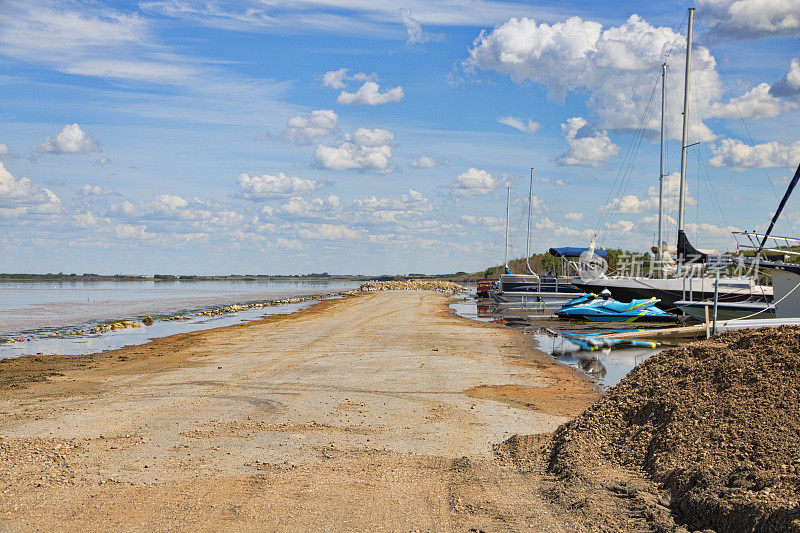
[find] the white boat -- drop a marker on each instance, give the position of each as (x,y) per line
(687,283)
(727,310)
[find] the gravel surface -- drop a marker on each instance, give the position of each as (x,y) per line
(712,428)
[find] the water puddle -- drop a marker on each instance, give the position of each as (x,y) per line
(604,365)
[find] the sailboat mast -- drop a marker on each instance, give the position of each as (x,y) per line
(661,165)
(508,201)
(528,240)
(684,136)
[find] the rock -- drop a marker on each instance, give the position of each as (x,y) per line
(148,321)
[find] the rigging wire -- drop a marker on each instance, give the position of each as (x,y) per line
(624,173)
(744,124)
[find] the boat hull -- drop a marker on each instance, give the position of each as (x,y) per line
(726,311)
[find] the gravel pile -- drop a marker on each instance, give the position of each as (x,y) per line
(413,285)
(715,424)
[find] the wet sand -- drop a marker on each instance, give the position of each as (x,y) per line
(377,411)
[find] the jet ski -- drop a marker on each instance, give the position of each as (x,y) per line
(605,309)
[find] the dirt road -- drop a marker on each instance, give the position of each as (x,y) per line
(374,412)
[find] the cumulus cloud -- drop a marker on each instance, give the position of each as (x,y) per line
(789,84)
(424,162)
(370,94)
(330,232)
(752,19)
(366,149)
(493,224)
(70,140)
(20,197)
(334,78)
(632,204)
(758,102)
(613,65)
(133,232)
(95,190)
(338,79)
(268,186)
(304,128)
(413,201)
(299,207)
(103,162)
(577,217)
(474,182)
(735,154)
(588,146)
(523,125)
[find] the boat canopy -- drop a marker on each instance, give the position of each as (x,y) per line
(571,251)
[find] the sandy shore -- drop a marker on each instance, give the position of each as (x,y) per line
(375,412)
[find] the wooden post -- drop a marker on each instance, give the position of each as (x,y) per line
(708,334)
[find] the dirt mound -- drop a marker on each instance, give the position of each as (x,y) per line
(716,424)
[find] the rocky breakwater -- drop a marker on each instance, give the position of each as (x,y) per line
(414,285)
(713,425)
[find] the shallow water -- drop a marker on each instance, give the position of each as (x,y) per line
(86,344)
(34,310)
(26,306)
(606,367)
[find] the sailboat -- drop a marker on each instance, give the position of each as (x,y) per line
(531,290)
(686,285)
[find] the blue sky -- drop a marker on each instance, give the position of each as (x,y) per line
(348,136)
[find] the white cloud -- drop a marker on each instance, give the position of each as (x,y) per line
(374,19)
(614,65)
(330,232)
(758,102)
(367,149)
(20,196)
(544,223)
(587,145)
(414,29)
(413,201)
(103,162)
(96,190)
(424,162)
(789,84)
(316,207)
(734,154)
(133,232)
(338,79)
(474,182)
(577,217)
(5,151)
(70,140)
(369,94)
(631,204)
(269,186)
(494,224)
(334,78)
(376,137)
(303,128)
(525,126)
(752,19)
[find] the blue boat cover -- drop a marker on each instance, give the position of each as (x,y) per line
(571,251)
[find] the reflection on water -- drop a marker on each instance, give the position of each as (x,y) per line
(606,365)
